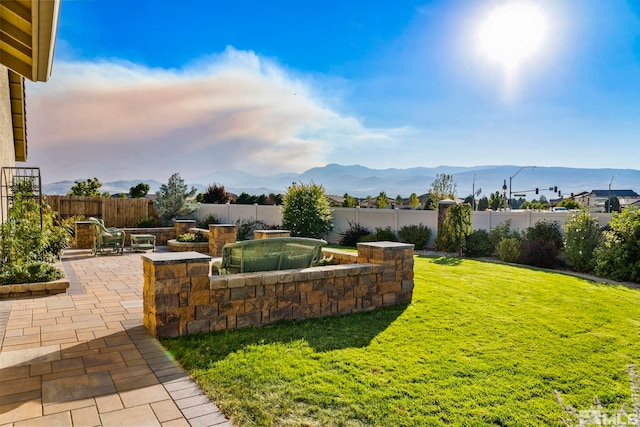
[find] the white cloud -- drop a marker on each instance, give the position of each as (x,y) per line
(235,110)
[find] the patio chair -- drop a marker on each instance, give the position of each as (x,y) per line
(106,238)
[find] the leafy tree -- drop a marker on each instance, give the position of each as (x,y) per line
(382,201)
(139,191)
(216,194)
(517,203)
(87,188)
(483,204)
(414,202)
(399,200)
(274,199)
(443,187)
(349,201)
(306,212)
(171,200)
(245,199)
(469,199)
(613,206)
(496,201)
(569,204)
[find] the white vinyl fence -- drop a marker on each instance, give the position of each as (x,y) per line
(382,218)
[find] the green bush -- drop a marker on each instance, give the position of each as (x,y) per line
(385,234)
(418,235)
(549,231)
(146,222)
(306,211)
(210,219)
(478,244)
(29,273)
(502,231)
(618,257)
(352,235)
(508,249)
(246,227)
(582,237)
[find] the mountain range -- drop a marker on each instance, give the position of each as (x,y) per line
(361,181)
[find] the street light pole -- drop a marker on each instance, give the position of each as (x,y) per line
(511,178)
(609,198)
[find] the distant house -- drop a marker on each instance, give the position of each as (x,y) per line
(596,199)
(27,39)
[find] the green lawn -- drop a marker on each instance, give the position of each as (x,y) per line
(481,344)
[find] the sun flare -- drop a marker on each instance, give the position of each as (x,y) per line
(511,34)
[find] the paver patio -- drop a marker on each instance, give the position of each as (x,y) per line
(84,359)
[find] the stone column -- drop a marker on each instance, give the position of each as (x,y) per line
(84,235)
(182,226)
(175,286)
(220,235)
(396,284)
(269,234)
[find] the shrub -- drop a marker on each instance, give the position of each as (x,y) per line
(618,257)
(215,194)
(210,219)
(418,235)
(306,211)
(502,231)
(29,273)
(352,235)
(385,234)
(538,252)
(583,236)
(146,222)
(478,244)
(246,227)
(546,230)
(508,249)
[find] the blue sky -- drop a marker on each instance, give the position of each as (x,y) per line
(145,88)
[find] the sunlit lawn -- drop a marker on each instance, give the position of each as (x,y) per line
(481,344)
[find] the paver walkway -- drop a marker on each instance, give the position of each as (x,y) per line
(84,358)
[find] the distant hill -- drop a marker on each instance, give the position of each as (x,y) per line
(361,181)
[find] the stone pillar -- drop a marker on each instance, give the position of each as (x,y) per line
(84,235)
(176,285)
(220,235)
(183,226)
(396,286)
(270,234)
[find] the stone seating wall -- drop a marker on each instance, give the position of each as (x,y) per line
(181,298)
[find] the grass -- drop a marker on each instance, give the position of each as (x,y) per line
(481,344)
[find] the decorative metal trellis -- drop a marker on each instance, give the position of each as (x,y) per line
(25,180)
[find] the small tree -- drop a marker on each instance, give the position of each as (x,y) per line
(414,202)
(87,188)
(455,229)
(443,187)
(382,201)
(139,191)
(306,212)
(483,204)
(349,201)
(496,201)
(399,200)
(618,257)
(569,204)
(171,200)
(612,205)
(216,194)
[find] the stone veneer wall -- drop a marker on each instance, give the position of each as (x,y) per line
(180,297)
(220,235)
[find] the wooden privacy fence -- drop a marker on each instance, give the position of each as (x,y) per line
(115,211)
